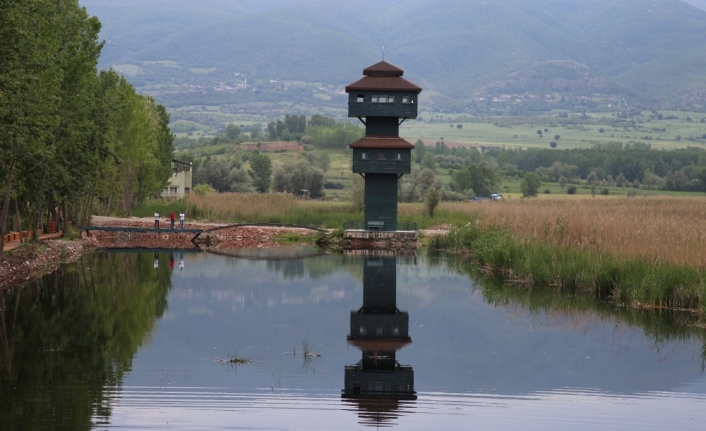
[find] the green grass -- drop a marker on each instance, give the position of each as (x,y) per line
(633,282)
(521,132)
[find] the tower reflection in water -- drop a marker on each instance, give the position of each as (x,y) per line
(378,385)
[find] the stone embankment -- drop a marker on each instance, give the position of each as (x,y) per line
(36,259)
(228,237)
(33,260)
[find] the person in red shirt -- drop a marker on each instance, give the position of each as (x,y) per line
(171,220)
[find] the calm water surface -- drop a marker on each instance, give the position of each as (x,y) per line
(141,341)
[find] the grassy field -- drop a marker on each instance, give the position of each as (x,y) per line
(522,131)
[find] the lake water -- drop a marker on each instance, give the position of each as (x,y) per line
(141,341)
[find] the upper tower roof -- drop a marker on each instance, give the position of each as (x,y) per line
(383,69)
(383,76)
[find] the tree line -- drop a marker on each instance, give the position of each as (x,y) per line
(634,165)
(73,140)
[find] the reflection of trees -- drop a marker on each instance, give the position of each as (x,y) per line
(70,334)
(572,311)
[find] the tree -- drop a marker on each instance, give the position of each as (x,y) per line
(557,137)
(260,171)
(294,176)
(552,144)
(432,200)
(429,162)
(420,151)
(459,126)
(480,178)
(413,187)
(530,184)
(232,132)
(562,181)
(357,194)
(324,161)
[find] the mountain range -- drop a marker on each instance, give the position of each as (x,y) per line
(654,50)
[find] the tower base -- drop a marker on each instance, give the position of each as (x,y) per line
(358,239)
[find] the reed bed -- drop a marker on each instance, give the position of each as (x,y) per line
(624,280)
(658,229)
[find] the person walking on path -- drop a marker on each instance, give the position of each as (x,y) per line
(156,219)
(171,220)
(181,220)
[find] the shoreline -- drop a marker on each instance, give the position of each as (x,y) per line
(32,260)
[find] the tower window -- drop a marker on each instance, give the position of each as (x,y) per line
(406,99)
(383,99)
(399,156)
(360,98)
(364,156)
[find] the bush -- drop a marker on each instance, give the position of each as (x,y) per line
(571,190)
(204,189)
(605,192)
(547,191)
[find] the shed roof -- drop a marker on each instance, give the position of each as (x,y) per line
(382,142)
(383,76)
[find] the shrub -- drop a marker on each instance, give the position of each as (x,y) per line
(571,190)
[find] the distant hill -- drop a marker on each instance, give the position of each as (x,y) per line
(655,50)
(553,77)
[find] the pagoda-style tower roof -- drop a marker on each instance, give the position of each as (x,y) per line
(383,76)
(382,142)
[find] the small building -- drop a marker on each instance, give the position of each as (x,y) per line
(382,100)
(179,184)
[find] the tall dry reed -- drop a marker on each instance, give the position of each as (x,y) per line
(241,206)
(668,229)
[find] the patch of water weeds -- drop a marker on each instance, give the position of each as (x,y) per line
(633,282)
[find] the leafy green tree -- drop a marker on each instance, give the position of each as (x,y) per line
(357,194)
(420,151)
(480,178)
(530,184)
(260,171)
(429,162)
(233,132)
(294,176)
(413,187)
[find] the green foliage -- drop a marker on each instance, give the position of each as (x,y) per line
(357,193)
(224,175)
(599,274)
(571,190)
(203,189)
(260,171)
(71,138)
(414,187)
(480,179)
(232,131)
(74,334)
(300,175)
(432,200)
(530,184)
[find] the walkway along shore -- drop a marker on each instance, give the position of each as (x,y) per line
(33,260)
